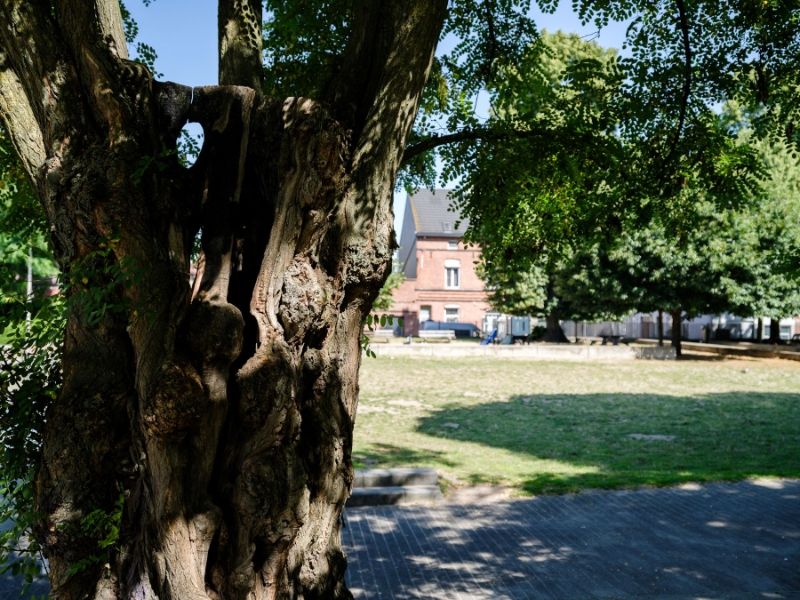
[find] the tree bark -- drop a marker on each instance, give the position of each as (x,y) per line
(554,333)
(660,327)
(677,334)
(774,331)
(220,418)
(760,329)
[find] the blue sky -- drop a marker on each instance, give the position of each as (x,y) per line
(184,34)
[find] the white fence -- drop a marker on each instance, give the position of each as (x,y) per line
(646,326)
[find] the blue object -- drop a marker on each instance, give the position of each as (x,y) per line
(461,330)
(489,338)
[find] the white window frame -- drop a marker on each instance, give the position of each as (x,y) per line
(452,274)
(428,308)
(447,309)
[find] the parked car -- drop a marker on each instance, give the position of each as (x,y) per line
(462,330)
(795,339)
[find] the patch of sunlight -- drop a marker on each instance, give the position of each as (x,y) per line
(548,465)
(546,555)
(382,525)
(514,464)
(682,571)
(463,566)
(422,561)
(768,482)
(690,487)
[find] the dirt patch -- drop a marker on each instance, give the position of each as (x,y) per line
(366,409)
(478,494)
(406,403)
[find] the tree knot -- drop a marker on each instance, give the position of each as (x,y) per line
(177,401)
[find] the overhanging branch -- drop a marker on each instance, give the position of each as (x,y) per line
(32,50)
(20,120)
(469,135)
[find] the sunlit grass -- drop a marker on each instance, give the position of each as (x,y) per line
(554,427)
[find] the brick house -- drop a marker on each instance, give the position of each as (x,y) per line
(441,283)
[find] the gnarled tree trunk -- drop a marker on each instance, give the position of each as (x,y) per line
(220,415)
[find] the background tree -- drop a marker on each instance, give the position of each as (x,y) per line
(767,240)
(22,240)
(536,195)
(683,276)
(31,328)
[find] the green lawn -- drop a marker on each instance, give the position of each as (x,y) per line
(552,427)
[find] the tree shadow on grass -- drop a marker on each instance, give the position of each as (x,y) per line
(692,356)
(389,455)
(577,441)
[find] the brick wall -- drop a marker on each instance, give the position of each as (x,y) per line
(429,288)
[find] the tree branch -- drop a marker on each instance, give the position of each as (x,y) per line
(110,19)
(29,40)
(20,120)
(239,33)
(466,135)
(94,33)
(687,72)
(381,36)
(486,133)
(95,23)
(397,54)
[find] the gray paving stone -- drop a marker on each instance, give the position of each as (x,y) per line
(407,494)
(714,541)
(726,541)
(398,476)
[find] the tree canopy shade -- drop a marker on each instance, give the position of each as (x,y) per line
(199,446)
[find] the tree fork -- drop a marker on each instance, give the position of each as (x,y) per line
(225,416)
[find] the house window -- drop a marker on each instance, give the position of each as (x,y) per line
(424,313)
(452,274)
(452,245)
(451,277)
(451,314)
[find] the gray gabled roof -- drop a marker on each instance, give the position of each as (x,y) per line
(434,216)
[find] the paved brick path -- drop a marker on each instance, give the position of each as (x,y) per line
(714,541)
